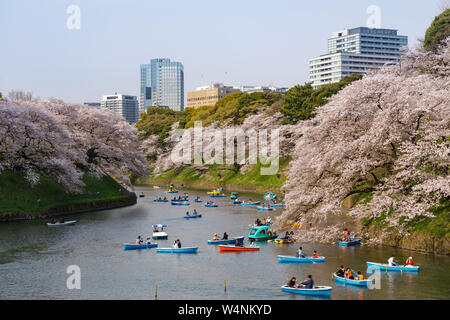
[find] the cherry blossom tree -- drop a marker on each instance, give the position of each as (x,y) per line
(399,118)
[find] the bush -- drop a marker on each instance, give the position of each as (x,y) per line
(438,31)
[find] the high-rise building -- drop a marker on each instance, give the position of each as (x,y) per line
(145,97)
(208,95)
(125,105)
(92,104)
(167,82)
(356,50)
(162,85)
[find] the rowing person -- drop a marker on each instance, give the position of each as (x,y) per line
(139,240)
(195,212)
(409,262)
(187,213)
(225,236)
(175,244)
(391,261)
(215,237)
(315,255)
(308,283)
(300,253)
(148,241)
(179,243)
(341,272)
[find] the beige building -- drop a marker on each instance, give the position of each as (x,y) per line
(208,95)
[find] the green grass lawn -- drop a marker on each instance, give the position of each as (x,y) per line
(229,175)
(18,196)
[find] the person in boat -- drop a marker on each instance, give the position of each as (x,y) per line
(308,283)
(179,243)
(300,253)
(175,244)
(62,220)
(165,198)
(287,236)
(268,221)
(225,236)
(155,229)
(292,283)
(349,274)
(195,212)
(346,235)
(215,237)
(187,213)
(252,244)
(360,276)
(53,221)
(391,261)
(264,222)
(139,240)
(315,255)
(148,241)
(341,272)
(238,244)
(409,262)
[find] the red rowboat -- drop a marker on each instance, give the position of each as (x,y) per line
(234,248)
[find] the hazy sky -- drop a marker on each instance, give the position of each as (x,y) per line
(251,42)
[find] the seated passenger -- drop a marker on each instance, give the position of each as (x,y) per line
(292,283)
(341,272)
(315,255)
(215,238)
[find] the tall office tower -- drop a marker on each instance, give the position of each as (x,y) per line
(125,105)
(356,50)
(167,82)
(145,97)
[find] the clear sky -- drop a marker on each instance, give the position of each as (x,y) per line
(237,42)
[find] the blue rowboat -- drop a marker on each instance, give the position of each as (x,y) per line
(156,200)
(354,282)
(141,195)
(300,260)
(237,202)
(315,291)
(251,203)
(229,241)
(128,246)
(180,203)
(182,200)
(350,243)
(175,191)
(385,267)
(217,196)
(211,205)
(178,250)
(198,200)
(264,209)
(275,205)
(193,216)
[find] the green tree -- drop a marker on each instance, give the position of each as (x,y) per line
(158,121)
(301,101)
(438,31)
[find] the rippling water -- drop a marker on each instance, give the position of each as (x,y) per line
(34,258)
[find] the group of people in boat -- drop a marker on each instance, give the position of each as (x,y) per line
(348,273)
(53,221)
(264,222)
(392,263)
(195,213)
(140,241)
(308,283)
(180,198)
(210,203)
(301,254)
(216,238)
(160,198)
(177,244)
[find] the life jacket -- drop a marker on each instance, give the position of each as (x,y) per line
(360,277)
(410,262)
(316,255)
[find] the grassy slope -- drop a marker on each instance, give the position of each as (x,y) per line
(17,196)
(227,174)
